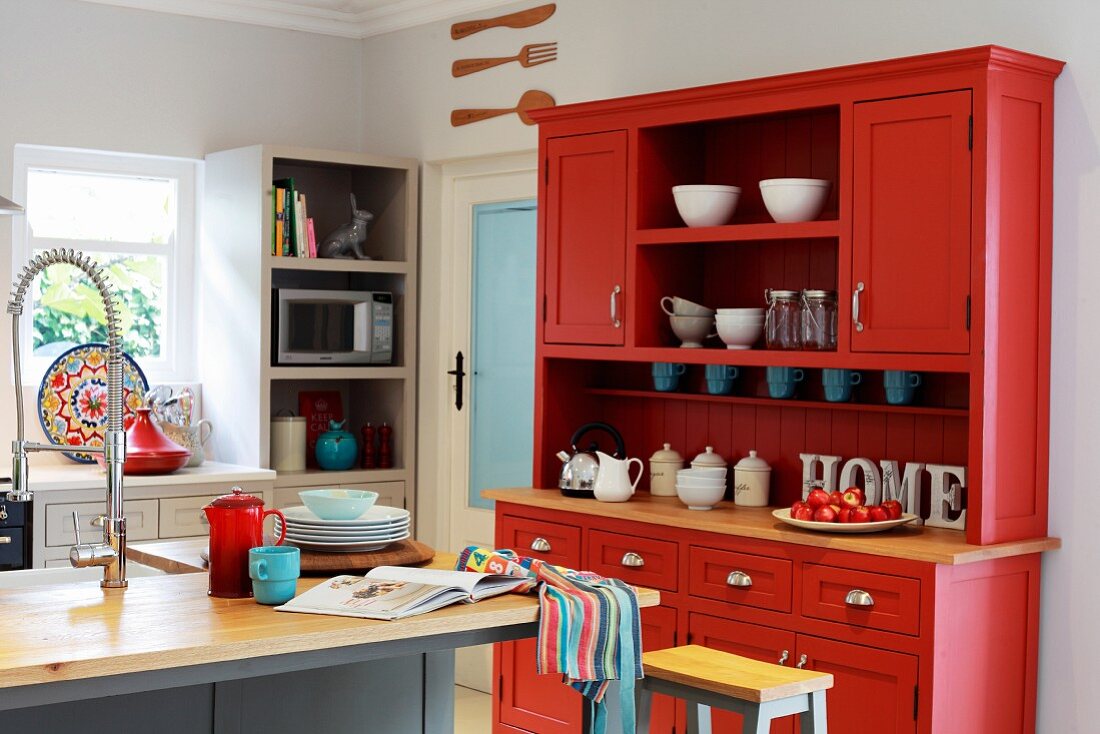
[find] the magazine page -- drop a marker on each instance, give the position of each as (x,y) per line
(358,596)
(475,585)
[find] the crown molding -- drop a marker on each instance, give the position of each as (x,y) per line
(310,19)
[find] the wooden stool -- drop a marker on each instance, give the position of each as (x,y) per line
(708,678)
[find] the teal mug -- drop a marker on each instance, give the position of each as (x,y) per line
(274,571)
(720,378)
(782,381)
(900,386)
(838,384)
(666,375)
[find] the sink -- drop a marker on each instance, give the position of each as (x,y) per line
(51,576)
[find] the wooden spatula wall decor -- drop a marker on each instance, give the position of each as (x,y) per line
(521,19)
(531,100)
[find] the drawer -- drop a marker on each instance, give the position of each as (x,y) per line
(740,578)
(11,548)
(182,517)
(550,541)
(638,561)
(895,600)
(141,521)
(12,514)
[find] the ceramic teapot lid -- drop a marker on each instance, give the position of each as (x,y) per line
(708,458)
(752,462)
(236,499)
(666,454)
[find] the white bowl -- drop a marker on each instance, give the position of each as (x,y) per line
(741,312)
(705,205)
(338,504)
(684,307)
(794,199)
(740,335)
(700,499)
(692,330)
(701,483)
(702,472)
(728,319)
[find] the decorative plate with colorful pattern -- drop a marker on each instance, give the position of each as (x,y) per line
(72,401)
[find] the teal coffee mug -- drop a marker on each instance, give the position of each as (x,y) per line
(666,375)
(274,572)
(901,386)
(838,384)
(782,380)
(720,378)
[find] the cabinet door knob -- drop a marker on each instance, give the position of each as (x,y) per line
(615,306)
(855,305)
(801,661)
(859,598)
(540,545)
(783,656)
(740,579)
(633,560)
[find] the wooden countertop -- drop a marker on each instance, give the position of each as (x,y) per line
(915,543)
(170,556)
(80,631)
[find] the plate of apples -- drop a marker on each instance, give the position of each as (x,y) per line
(843,512)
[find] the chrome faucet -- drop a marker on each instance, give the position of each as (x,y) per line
(111,553)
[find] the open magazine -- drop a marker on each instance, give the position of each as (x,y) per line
(393,592)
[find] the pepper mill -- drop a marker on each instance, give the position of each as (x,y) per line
(368,446)
(385,447)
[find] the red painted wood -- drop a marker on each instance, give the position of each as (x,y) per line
(911,243)
(896,598)
(585,237)
(606,552)
(873,690)
(659,633)
(709,571)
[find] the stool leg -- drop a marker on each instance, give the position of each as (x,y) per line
(752,722)
(643,701)
(698,718)
(813,719)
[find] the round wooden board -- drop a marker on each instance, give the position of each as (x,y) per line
(403,553)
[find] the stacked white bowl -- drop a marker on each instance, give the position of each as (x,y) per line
(794,199)
(705,205)
(691,323)
(701,489)
(740,328)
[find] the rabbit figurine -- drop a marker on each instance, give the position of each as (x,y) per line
(346,241)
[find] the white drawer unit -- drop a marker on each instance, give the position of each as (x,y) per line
(141,521)
(182,517)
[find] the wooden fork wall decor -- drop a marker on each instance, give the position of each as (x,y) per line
(532,54)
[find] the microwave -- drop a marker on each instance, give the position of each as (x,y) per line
(332,327)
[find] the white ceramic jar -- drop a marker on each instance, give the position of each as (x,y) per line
(288,443)
(663,466)
(751,481)
(708,460)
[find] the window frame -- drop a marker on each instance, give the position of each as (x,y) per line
(177,363)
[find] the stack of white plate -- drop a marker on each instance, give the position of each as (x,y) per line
(373,530)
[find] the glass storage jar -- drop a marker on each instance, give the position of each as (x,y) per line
(782,324)
(819,317)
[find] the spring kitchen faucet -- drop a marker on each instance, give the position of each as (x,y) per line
(111,552)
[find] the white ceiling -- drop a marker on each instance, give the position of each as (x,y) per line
(348,18)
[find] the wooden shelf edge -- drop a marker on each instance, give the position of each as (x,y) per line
(399,267)
(738,232)
(775,403)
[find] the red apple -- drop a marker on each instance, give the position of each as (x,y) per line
(845,514)
(817,498)
(893,509)
(860,514)
(803,512)
(878,514)
(852,497)
(836,497)
(825,513)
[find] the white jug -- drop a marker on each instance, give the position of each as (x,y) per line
(613,480)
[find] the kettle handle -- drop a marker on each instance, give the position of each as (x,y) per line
(620,447)
(282,524)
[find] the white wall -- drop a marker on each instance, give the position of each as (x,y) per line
(617,47)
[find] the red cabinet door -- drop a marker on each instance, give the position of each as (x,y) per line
(911,233)
(874,691)
(585,221)
(659,633)
(751,641)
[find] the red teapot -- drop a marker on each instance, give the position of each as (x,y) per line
(236,526)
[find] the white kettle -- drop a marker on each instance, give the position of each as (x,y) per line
(613,481)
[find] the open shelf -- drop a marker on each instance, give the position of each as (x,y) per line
(337,265)
(738,232)
(771,402)
(350,372)
(320,477)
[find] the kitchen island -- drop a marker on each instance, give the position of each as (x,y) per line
(178,660)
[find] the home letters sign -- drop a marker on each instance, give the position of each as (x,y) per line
(884,481)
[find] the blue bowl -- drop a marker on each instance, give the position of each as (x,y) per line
(338,504)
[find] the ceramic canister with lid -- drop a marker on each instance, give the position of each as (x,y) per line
(751,481)
(288,443)
(708,460)
(663,466)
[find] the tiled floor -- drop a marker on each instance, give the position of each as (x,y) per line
(473,711)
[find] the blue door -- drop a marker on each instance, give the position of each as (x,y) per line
(502,340)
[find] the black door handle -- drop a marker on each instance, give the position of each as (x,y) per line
(459,374)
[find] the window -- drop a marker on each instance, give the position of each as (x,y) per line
(135,216)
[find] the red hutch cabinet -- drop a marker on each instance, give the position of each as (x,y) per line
(936,236)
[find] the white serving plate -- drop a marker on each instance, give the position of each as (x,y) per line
(309,533)
(379,515)
(325,547)
(784,515)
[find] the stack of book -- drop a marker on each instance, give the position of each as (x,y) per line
(292,233)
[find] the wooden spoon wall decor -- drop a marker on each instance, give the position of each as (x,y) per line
(521,19)
(531,100)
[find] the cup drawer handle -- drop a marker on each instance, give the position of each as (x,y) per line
(541,545)
(859,598)
(739,579)
(633,560)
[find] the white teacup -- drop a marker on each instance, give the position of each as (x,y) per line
(684,307)
(692,330)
